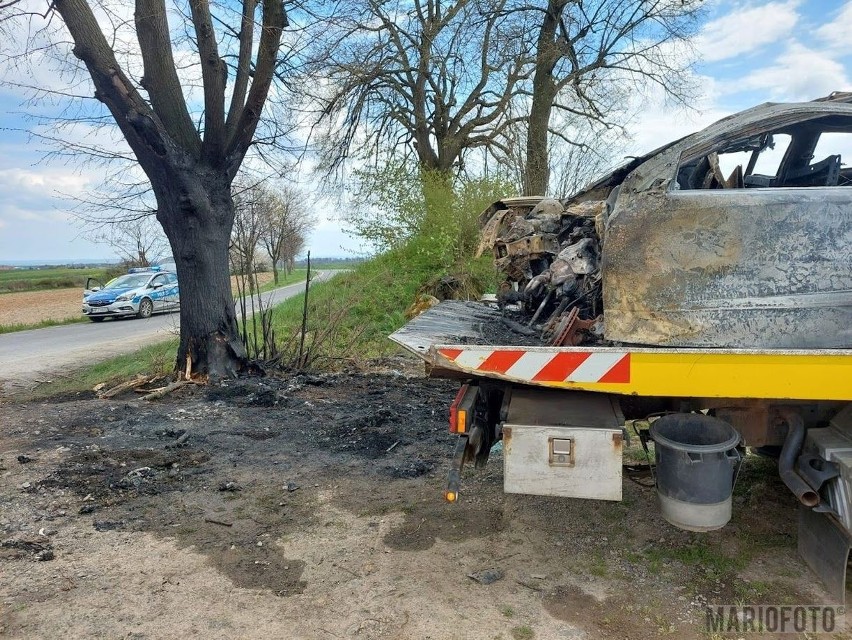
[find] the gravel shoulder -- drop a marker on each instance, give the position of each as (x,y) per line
(310,507)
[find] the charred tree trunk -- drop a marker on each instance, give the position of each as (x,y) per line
(190,174)
(197,213)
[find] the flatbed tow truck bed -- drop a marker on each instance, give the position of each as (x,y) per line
(449,338)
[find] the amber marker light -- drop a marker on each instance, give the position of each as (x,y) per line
(463,406)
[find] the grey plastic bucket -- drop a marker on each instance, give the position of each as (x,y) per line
(696,458)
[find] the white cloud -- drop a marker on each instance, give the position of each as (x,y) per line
(835,34)
(663,124)
(27,186)
(744,31)
(799,73)
(35,222)
(657,122)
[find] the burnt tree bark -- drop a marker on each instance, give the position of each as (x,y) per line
(190,171)
(197,214)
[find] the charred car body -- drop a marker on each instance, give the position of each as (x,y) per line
(737,236)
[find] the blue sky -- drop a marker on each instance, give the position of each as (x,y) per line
(752,52)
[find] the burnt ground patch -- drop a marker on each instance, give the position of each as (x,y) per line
(340,480)
(112,476)
(157,467)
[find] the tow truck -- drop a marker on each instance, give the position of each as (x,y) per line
(726,307)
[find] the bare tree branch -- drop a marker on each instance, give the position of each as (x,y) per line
(161,78)
(434,77)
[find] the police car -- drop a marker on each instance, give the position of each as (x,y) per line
(140,292)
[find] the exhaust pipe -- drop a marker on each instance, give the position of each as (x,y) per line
(789,454)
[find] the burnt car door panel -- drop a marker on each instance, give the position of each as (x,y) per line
(693,258)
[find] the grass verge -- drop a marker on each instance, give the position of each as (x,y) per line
(154,359)
(351,315)
(12,328)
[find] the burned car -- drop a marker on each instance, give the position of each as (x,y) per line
(737,236)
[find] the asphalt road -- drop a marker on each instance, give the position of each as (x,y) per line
(31,357)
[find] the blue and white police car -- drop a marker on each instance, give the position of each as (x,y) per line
(140,292)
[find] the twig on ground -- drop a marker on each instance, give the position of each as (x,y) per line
(159,393)
(125,386)
(219,522)
(529,586)
(349,571)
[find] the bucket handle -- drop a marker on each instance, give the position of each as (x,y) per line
(692,457)
(737,460)
(733,456)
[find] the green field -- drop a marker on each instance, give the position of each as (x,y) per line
(16,280)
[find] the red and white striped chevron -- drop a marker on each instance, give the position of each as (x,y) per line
(544,366)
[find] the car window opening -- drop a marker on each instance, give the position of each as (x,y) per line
(128,281)
(807,154)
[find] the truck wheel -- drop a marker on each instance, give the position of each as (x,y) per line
(96,319)
(146,308)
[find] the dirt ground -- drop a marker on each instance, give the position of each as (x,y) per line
(310,507)
(31,307)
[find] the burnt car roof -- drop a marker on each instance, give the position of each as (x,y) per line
(768,115)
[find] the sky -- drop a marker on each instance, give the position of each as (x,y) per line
(751,51)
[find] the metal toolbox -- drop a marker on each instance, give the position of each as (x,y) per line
(554,448)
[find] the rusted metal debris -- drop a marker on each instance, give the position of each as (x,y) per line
(550,255)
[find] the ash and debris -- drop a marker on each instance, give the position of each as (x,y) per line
(130,449)
(549,255)
(102,470)
(508,329)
